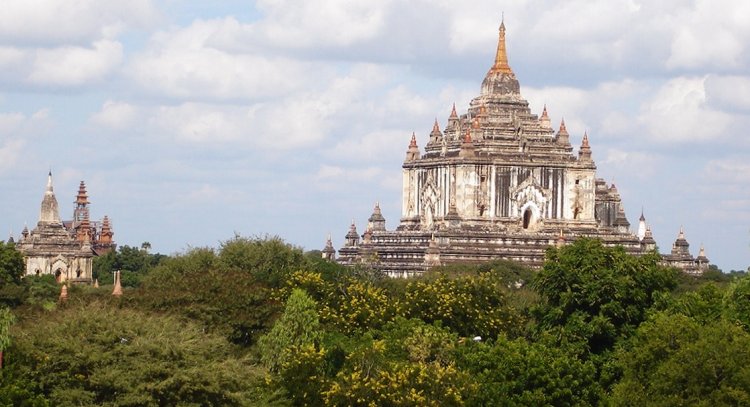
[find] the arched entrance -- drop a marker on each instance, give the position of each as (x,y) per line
(527,216)
(58,275)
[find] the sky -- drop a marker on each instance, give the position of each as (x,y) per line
(192,121)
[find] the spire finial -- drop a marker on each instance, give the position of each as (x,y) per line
(49,190)
(501,57)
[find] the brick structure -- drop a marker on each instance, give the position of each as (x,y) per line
(497,182)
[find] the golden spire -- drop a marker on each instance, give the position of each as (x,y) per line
(501,57)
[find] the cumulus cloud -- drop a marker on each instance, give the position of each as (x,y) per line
(74,66)
(296,24)
(679,112)
(115,115)
(728,92)
(640,164)
(15,130)
(54,23)
(183,64)
(337,177)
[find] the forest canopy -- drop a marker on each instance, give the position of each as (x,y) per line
(257,321)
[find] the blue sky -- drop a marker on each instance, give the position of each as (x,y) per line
(191,121)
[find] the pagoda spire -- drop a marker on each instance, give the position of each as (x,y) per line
(454,115)
(49,212)
(501,56)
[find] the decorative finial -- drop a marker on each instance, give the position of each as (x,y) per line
(454,115)
(501,57)
(413,142)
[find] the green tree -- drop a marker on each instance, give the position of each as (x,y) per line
(97,354)
(135,263)
(196,285)
(674,360)
(737,302)
(6,319)
(270,260)
(298,325)
(11,264)
(11,270)
(594,295)
(520,373)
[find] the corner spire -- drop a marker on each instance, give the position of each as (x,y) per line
(454,115)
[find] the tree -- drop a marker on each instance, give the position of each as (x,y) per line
(196,285)
(11,270)
(407,363)
(270,260)
(297,326)
(6,319)
(516,372)
(737,302)
(471,305)
(674,360)
(133,262)
(98,354)
(595,295)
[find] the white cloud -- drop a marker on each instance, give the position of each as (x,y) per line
(729,170)
(640,164)
(730,92)
(183,64)
(75,66)
(52,23)
(372,146)
(15,130)
(709,34)
(337,177)
(115,115)
(302,24)
(679,112)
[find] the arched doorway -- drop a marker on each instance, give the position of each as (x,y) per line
(527,216)
(58,275)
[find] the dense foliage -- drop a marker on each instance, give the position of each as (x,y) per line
(258,322)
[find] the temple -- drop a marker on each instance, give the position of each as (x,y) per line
(498,182)
(65,249)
